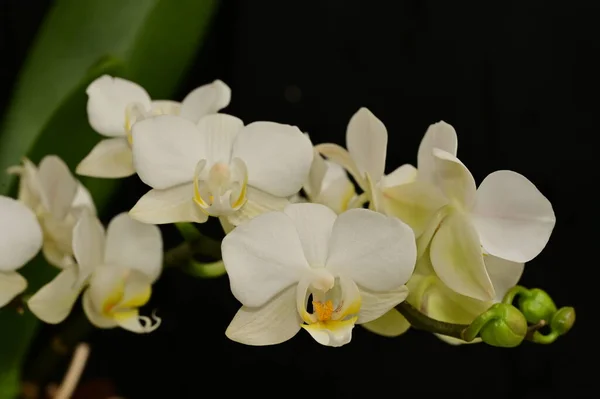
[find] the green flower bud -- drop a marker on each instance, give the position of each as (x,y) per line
(506,328)
(563,320)
(536,305)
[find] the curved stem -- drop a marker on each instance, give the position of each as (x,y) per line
(184,252)
(205,270)
(423,322)
(510,295)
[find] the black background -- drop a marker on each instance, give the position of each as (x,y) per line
(518,81)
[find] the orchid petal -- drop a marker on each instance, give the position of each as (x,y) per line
(171,205)
(375,305)
(134,245)
(108,98)
(366,140)
(514,220)
(314,223)
(20,234)
(457,259)
(275,322)
(54,301)
(263,257)
(414,203)
(376,251)
(205,100)
(110,158)
(278,157)
(166,150)
(391,324)
(439,135)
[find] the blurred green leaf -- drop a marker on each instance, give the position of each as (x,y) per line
(149,41)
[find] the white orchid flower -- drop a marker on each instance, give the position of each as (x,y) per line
(366,140)
(329,184)
(116,269)
(352,269)
(20,241)
(115,104)
(432,297)
(218,167)
(507,215)
(57,198)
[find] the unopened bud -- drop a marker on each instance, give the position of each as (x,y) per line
(563,320)
(536,305)
(506,329)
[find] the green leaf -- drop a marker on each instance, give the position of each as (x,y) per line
(151,42)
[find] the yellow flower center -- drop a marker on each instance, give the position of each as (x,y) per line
(324,311)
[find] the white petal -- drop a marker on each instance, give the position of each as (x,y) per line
(366,140)
(439,135)
(514,220)
(55,255)
(54,301)
(457,259)
(503,273)
(108,98)
(139,324)
(219,132)
(402,175)
(165,107)
(263,257)
(329,184)
(206,99)
(275,322)
(226,224)
(30,188)
(374,194)
(454,179)
(166,150)
(335,334)
(88,242)
(376,304)
(338,195)
(425,238)
(172,205)
(341,156)
(134,245)
(11,285)
(441,303)
(333,173)
(313,223)
(83,199)
(391,324)
(59,187)
(20,234)
(110,158)
(376,251)
(94,315)
(316,175)
(278,157)
(258,202)
(414,203)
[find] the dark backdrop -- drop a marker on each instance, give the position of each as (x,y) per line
(517,79)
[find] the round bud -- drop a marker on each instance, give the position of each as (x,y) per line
(563,320)
(507,329)
(536,306)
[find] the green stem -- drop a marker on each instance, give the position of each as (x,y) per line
(513,292)
(205,270)
(423,322)
(187,250)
